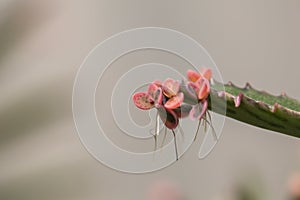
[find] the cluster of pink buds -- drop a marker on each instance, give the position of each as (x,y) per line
(176,99)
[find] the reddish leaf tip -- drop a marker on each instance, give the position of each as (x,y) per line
(275,107)
(238,99)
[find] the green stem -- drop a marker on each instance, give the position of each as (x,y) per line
(277,113)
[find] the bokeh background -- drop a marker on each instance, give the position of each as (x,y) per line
(43,43)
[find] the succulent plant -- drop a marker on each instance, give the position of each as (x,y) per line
(194,96)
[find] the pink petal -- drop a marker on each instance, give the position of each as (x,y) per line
(175,101)
(193,75)
(198,111)
(142,101)
(170,87)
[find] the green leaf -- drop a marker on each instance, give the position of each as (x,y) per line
(277,113)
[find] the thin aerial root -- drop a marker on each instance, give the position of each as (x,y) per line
(214,133)
(164,139)
(212,127)
(156,132)
(205,125)
(157,128)
(181,131)
(198,128)
(175,143)
(155,142)
(209,116)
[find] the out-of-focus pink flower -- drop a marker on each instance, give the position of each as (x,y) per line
(294,186)
(164,190)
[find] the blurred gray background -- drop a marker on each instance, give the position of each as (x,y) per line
(43,43)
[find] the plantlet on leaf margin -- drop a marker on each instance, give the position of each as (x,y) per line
(167,99)
(198,89)
(174,100)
